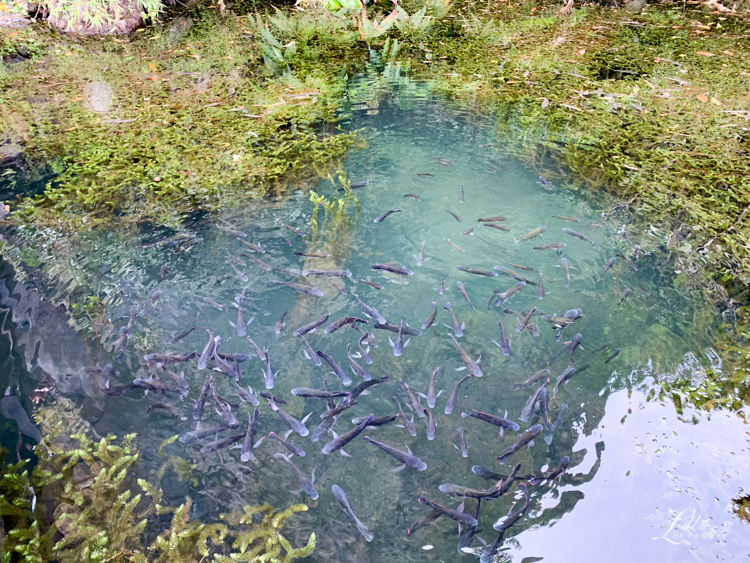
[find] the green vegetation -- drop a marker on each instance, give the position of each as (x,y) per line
(101,511)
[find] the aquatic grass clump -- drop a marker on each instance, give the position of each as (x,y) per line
(103,512)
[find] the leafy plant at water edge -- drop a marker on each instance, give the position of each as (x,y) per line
(104,513)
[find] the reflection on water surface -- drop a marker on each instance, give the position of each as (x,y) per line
(639,478)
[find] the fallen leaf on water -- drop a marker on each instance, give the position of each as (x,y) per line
(78,99)
(545,103)
(704,54)
(702,98)
(152,66)
(715,102)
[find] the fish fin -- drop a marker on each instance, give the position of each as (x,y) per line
(548,439)
(343,453)
(408,450)
(307,416)
(455,446)
(439,393)
(366,392)
(463,326)
(428,258)
(335,436)
(232,324)
(296,492)
(531,444)
(287,433)
(399,468)
(251,320)
(357,355)
(391,341)
(307,356)
(479,359)
(407,342)
(422,395)
(506,414)
(461,368)
(398,425)
(582,348)
(573,268)
(501,432)
(446,326)
(259,442)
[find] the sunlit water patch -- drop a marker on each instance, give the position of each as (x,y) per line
(635,476)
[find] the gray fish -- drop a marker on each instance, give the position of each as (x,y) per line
(258,352)
(458,329)
(333,327)
(12,409)
(301,288)
(424,521)
(339,442)
(413,401)
(277,400)
(407,423)
(370,312)
(578,235)
(399,345)
(524,320)
(395,328)
(296,450)
(464,446)
(268,373)
(339,288)
(607,267)
(539,287)
(469,231)
(526,412)
(413,196)
(379,421)
(431,426)
(337,371)
(542,373)
(157,386)
(420,257)
(531,234)
(346,506)
(330,273)
(408,459)
(431,397)
(253,247)
(310,328)
(365,353)
(478,271)
(195,435)
(323,429)
(336,411)
(454,245)
(564,377)
(469,364)
(393,269)
(246,394)
(257,262)
(525,438)
(280,323)
(460,517)
(231,231)
(441,287)
(208,351)
(293,424)
(164,359)
(355,367)
(201,401)
(550,246)
(504,342)
(562,412)
(496,226)
(500,422)
(462,289)
(318,393)
(553,473)
(307,484)
(311,254)
(453,399)
(461,195)
(490,475)
(431,319)
(456,217)
(492,219)
(488,553)
(465,492)
(629,262)
(225,410)
(294,230)
(624,295)
(503,296)
(612,356)
(243,277)
(372,284)
(515,275)
(380,218)
(241,325)
(603,346)
(222,443)
(546,183)
(565,218)
(358,389)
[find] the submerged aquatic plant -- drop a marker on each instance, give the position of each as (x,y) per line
(105,513)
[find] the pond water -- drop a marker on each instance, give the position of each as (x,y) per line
(641,480)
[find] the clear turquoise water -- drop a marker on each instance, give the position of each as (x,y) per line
(655,475)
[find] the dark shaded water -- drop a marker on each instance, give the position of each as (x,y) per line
(641,482)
